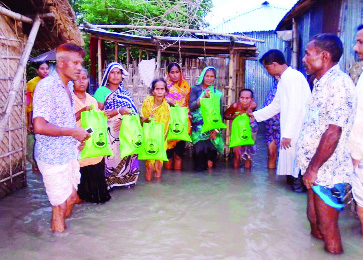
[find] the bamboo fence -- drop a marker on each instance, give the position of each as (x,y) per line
(12,147)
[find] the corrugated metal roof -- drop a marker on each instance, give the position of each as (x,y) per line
(263,18)
(193,46)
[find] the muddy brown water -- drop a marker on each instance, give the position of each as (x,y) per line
(222,214)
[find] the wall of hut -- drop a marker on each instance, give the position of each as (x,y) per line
(12,148)
(257,78)
(319,20)
(191,69)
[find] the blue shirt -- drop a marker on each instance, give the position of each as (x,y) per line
(52,103)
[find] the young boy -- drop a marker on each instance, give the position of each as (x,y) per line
(244,104)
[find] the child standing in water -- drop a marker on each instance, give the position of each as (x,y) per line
(244,104)
(155,106)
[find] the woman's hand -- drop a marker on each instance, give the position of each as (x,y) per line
(171,102)
(206,94)
(213,135)
(110,113)
(123,111)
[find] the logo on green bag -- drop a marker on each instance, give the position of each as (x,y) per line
(215,116)
(244,135)
(151,146)
(99,139)
(137,140)
(176,127)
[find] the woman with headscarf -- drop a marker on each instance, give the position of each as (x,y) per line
(206,145)
(116,102)
(178,93)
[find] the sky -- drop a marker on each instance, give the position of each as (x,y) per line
(224,9)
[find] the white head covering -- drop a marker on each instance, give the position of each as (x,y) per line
(109,68)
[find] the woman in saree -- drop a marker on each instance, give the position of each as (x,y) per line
(178,93)
(206,145)
(155,106)
(92,187)
(121,172)
(42,69)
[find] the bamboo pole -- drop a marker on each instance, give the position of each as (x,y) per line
(158,62)
(166,28)
(231,77)
(128,56)
(15,86)
(116,51)
(15,16)
(99,61)
(295,44)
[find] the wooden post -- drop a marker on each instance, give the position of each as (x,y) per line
(140,55)
(99,61)
(147,55)
(116,51)
(128,56)
(15,86)
(295,44)
(231,77)
(158,62)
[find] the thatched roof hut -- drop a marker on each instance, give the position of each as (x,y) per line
(24,24)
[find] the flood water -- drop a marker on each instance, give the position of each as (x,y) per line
(223,214)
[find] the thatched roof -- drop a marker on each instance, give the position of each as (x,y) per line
(54,30)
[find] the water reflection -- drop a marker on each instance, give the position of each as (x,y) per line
(225,214)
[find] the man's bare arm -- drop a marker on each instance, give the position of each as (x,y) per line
(43,127)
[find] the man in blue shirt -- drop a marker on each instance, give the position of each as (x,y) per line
(57,135)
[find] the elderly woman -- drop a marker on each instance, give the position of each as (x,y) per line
(178,93)
(92,187)
(206,145)
(116,102)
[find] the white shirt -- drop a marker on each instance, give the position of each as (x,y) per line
(292,95)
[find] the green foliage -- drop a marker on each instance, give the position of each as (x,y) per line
(176,13)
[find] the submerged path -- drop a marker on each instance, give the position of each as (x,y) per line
(224,214)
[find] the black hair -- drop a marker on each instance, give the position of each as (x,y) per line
(173,64)
(271,56)
(331,43)
(248,90)
(360,27)
(156,81)
(38,64)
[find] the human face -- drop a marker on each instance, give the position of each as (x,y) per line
(174,74)
(159,90)
(245,99)
(358,47)
(115,77)
(271,69)
(71,65)
(81,84)
(209,78)
(43,70)
(313,59)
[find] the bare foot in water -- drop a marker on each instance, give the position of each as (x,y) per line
(58,220)
(316,234)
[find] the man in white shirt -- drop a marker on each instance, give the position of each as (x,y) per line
(355,142)
(290,101)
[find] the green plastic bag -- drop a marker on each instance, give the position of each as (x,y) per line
(97,144)
(211,113)
(178,126)
(131,135)
(154,142)
(241,134)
